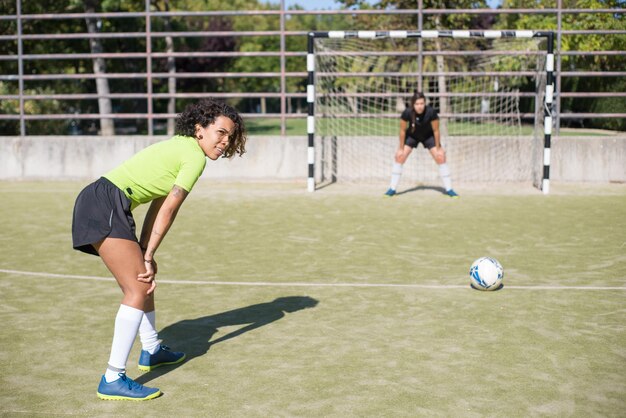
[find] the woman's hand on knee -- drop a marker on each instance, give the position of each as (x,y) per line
(149,275)
(400,156)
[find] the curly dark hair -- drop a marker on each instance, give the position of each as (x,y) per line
(204,113)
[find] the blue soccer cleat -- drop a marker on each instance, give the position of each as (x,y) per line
(452,193)
(390,193)
(162,357)
(125,389)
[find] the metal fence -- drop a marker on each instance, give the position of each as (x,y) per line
(284,94)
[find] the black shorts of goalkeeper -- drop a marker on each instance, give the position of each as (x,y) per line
(428,143)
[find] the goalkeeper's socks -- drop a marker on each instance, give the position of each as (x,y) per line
(396,173)
(444,172)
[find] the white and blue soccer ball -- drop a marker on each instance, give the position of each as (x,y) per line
(486,273)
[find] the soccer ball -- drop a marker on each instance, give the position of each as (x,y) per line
(486,273)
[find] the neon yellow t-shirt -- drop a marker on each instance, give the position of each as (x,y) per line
(153,171)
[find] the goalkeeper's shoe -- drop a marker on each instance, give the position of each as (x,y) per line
(452,193)
(125,389)
(390,193)
(162,357)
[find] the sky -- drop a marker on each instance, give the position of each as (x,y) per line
(331,4)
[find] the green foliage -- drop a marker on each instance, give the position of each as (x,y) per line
(308,22)
(431,21)
(8,107)
(584,43)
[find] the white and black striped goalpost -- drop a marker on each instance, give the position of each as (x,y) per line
(548,96)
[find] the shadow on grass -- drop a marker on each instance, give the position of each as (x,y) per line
(324,184)
(193,336)
(497,289)
(418,188)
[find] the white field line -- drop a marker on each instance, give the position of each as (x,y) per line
(45,413)
(305,284)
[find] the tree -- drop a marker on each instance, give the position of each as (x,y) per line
(309,22)
(38,67)
(582,42)
(164,5)
(99,68)
(434,21)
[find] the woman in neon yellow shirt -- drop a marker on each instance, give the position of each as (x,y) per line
(163,174)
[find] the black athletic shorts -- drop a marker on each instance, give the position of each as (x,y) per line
(413,143)
(101,210)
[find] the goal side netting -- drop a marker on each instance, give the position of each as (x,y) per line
(489,93)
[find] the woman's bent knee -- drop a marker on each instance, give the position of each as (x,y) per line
(138,295)
(401,159)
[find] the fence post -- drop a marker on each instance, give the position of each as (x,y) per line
(420,45)
(149,69)
(20,67)
(283,128)
(559,17)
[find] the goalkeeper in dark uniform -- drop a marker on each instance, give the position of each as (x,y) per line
(419,123)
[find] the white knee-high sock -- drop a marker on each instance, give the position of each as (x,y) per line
(148,334)
(126,325)
(396,173)
(444,172)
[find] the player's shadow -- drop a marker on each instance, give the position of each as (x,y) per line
(421,187)
(193,336)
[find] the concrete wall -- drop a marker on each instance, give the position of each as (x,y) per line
(588,159)
(88,157)
(593,159)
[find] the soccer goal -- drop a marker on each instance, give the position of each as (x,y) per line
(493,91)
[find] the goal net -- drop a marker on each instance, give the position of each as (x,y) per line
(489,94)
